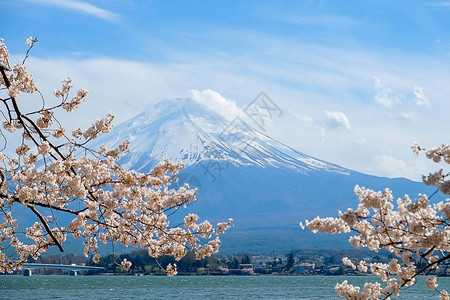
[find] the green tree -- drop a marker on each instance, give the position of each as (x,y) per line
(290,262)
(235,263)
(246,260)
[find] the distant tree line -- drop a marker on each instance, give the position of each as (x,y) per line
(291,262)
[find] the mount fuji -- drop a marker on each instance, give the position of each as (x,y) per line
(265,186)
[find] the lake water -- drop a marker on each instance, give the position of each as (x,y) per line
(189,287)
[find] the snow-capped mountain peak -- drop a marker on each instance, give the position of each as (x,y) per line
(190,131)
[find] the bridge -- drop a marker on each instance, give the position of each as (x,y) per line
(73,268)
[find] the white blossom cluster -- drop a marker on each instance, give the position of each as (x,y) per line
(4,56)
(105,202)
(416,231)
(20,81)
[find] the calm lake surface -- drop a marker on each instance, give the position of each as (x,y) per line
(189,287)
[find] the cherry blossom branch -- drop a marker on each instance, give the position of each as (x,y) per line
(44,222)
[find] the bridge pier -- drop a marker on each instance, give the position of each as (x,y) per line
(73,273)
(27,272)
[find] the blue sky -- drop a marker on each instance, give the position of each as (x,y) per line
(358,81)
(147,29)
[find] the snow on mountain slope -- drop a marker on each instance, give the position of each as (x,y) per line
(189,131)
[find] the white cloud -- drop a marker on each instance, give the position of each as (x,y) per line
(336,120)
(401,103)
(395,167)
(421,99)
(304,118)
(218,103)
(408,115)
(386,96)
(80,7)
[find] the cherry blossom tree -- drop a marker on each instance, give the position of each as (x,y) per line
(416,231)
(54,173)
